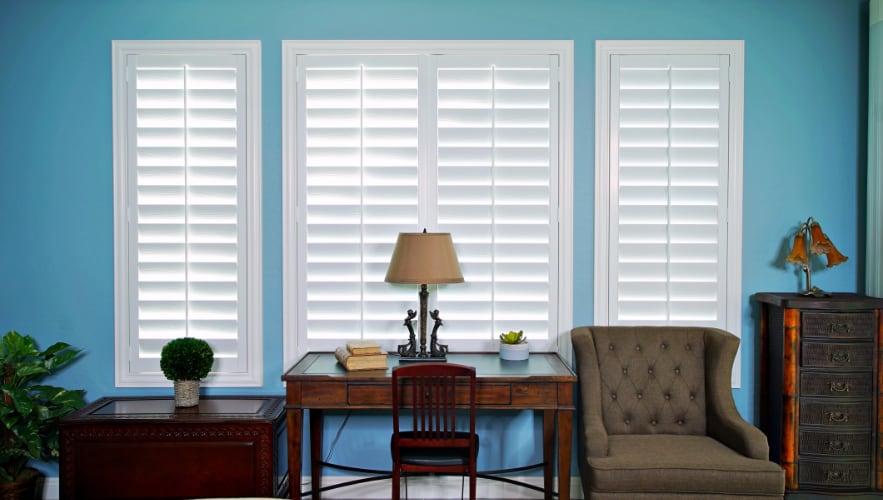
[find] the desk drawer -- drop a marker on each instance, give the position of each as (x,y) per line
(381,395)
(534,394)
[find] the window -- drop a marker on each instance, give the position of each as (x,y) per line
(668,184)
(187,206)
(470,138)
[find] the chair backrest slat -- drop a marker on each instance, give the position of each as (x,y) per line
(436,391)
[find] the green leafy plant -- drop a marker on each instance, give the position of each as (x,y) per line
(30,411)
(513,337)
(186,358)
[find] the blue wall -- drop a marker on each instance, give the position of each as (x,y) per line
(804,150)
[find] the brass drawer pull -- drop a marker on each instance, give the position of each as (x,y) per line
(840,328)
(840,357)
(838,417)
(835,475)
(839,387)
(837,446)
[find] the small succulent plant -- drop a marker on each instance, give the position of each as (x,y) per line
(513,337)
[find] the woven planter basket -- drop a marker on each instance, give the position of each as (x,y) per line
(186,393)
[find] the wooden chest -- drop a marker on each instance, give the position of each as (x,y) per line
(821,390)
(146,448)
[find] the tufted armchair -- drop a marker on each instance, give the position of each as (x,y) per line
(658,418)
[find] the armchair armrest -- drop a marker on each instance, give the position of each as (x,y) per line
(594,433)
(723,419)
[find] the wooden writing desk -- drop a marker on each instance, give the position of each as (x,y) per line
(543,382)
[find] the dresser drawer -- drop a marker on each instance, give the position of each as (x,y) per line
(835,415)
(834,474)
(835,444)
(839,385)
(857,325)
(838,355)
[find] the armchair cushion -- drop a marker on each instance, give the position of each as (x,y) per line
(682,465)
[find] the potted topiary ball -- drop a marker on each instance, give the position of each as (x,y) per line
(186,361)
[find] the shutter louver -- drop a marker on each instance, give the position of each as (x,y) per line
(189,159)
(361,175)
(496,161)
(669,129)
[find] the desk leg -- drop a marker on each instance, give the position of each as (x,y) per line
(294,421)
(549,453)
(565,440)
(316,423)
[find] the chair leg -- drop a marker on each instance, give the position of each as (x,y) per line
(396,483)
(472,484)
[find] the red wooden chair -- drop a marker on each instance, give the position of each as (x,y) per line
(431,393)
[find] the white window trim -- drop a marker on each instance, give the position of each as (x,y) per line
(121,49)
(292,349)
(735,49)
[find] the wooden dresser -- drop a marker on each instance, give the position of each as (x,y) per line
(820,383)
(146,448)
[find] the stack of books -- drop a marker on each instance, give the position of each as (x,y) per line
(361,355)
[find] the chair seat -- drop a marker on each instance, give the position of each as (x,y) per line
(678,464)
(436,457)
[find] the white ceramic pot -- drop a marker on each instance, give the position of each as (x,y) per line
(514,352)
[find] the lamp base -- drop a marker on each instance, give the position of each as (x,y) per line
(418,359)
(815,292)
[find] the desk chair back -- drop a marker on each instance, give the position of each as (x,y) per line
(431,394)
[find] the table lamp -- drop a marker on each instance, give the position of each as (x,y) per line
(421,259)
(809,238)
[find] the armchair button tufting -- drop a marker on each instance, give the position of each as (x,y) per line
(612,395)
(689,347)
(637,347)
(664,346)
(650,371)
(640,396)
(677,371)
(667,396)
(680,421)
(692,396)
(653,422)
(627,421)
(625,371)
(610,347)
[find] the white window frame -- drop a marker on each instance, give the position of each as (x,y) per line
(735,49)
(251,49)
(295,344)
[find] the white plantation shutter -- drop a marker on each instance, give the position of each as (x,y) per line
(359,153)
(669,151)
(497,172)
(394,142)
(187,221)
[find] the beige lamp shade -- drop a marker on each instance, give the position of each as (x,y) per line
(424,258)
